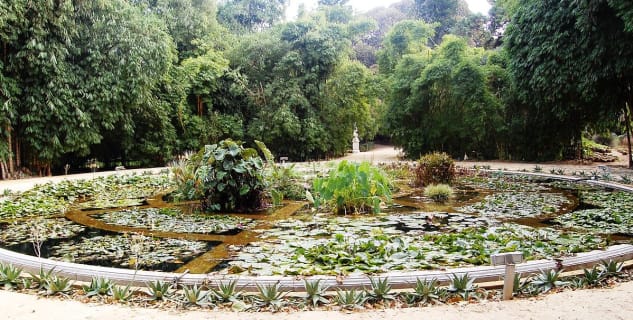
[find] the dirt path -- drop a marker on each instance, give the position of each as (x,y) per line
(613,303)
(594,304)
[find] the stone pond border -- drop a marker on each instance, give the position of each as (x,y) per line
(398,280)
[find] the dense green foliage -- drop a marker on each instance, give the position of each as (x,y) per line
(352,188)
(438,192)
(224,177)
(138,82)
(435,168)
(444,101)
(573,64)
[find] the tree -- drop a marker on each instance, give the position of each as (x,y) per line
(351,100)
(406,37)
(188,22)
(81,69)
(445,12)
(573,65)
(442,102)
(251,15)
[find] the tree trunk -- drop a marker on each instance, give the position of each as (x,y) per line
(11,169)
(18,158)
(627,121)
(200,106)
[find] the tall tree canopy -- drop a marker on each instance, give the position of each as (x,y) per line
(573,65)
(83,69)
(251,15)
(443,102)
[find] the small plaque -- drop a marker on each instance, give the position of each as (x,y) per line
(506,258)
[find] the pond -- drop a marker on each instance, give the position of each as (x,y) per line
(127,222)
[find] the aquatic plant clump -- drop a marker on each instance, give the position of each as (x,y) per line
(38,231)
(224,177)
(512,205)
(309,248)
(173,220)
(438,192)
(352,188)
(434,168)
(52,199)
(129,251)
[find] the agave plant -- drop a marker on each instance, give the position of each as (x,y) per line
(547,280)
(120,293)
(57,285)
(426,291)
(159,290)
(39,280)
(226,291)
(195,295)
(611,268)
(270,296)
(462,285)
(519,286)
(98,286)
(380,290)
(315,292)
(9,275)
(593,276)
(351,299)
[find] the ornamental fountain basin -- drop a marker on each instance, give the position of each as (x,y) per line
(125,223)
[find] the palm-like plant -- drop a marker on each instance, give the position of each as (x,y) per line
(56,285)
(120,293)
(611,268)
(9,275)
(462,285)
(593,276)
(426,291)
(41,278)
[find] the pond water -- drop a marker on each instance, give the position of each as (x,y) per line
(126,222)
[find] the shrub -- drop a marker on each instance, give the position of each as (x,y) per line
(283,181)
(223,176)
(434,168)
(438,192)
(352,188)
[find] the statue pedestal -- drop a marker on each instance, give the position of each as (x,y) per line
(355,142)
(355,146)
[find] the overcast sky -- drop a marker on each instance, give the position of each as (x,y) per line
(480,6)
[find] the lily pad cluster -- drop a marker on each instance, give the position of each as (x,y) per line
(55,198)
(38,230)
(518,204)
(501,182)
(173,220)
(612,213)
(128,251)
(340,246)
